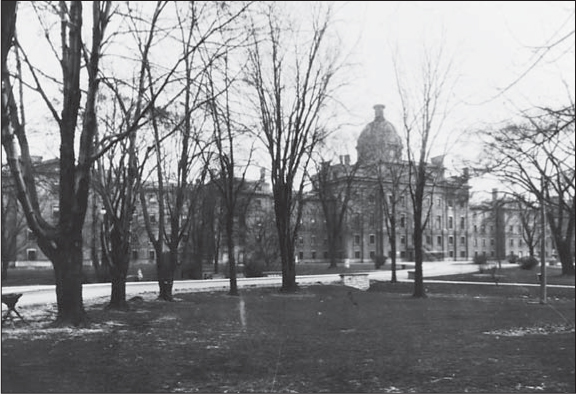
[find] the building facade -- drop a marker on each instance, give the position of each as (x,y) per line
(355,212)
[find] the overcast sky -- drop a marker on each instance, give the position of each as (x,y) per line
(491,44)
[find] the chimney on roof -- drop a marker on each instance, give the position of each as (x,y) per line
(379,111)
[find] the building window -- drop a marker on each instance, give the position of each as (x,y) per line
(450,222)
(301,240)
(357,254)
(462,222)
(372,239)
(402,221)
(475,242)
(372,254)
(511,241)
(325,254)
(428,240)
(31,236)
(492,241)
(511,229)
(483,229)
(356,240)
(313,255)
(402,240)
(31,254)
(55,211)
(151,254)
(438,222)
(439,240)
(451,253)
(451,240)
(300,256)
(492,254)
(462,253)
(475,228)
(134,254)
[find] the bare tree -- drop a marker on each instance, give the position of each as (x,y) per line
(392,187)
(333,186)
(424,111)
(229,176)
(198,35)
(62,243)
(535,157)
(292,75)
(13,224)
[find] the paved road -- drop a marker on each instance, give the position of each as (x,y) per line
(37,295)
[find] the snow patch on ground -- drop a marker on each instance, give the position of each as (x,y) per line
(534,330)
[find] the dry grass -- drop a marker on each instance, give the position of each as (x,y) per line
(322,339)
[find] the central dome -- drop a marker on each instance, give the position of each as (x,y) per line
(379,141)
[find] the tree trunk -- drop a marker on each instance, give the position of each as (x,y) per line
(68,274)
(232,266)
(165,276)
(119,272)
(332,249)
(282,210)
(565,256)
(393,253)
(418,274)
(118,293)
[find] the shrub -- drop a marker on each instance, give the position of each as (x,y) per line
(254,269)
(527,262)
(480,259)
(379,261)
(512,258)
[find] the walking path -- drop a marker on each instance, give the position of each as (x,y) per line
(38,295)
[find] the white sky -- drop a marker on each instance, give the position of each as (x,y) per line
(492,44)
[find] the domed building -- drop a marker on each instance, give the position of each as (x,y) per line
(361,212)
(379,142)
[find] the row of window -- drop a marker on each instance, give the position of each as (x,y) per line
(32,254)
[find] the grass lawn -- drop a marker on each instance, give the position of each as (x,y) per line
(321,339)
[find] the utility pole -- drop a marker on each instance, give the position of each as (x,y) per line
(542,245)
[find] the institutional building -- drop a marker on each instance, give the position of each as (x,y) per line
(368,195)
(379,195)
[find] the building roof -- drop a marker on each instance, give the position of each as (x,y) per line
(379,141)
